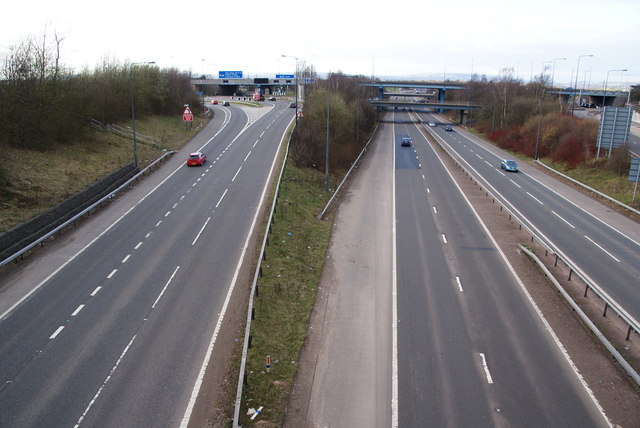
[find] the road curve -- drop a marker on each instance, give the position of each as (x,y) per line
(118,330)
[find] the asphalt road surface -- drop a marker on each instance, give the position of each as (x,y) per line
(602,243)
(420,321)
(119,319)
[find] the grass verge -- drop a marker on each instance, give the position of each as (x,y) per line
(33,181)
(291,272)
(600,178)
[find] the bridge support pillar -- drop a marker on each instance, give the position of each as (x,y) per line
(441,96)
(464,117)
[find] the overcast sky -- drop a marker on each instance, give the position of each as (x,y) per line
(392,38)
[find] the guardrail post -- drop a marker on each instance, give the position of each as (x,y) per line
(250,340)
(570,273)
(556,263)
(629,330)
(606,306)
(586,290)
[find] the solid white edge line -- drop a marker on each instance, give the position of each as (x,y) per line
(530,299)
(196,387)
(62,266)
(394,299)
(544,238)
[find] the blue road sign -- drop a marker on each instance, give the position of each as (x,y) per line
(229,74)
(285,76)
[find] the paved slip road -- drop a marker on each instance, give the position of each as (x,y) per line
(458,342)
(117,336)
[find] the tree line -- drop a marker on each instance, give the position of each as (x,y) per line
(524,118)
(342,102)
(44,104)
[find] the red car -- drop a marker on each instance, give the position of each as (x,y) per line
(196,159)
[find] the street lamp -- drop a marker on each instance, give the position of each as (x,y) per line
(296,80)
(576,85)
(604,97)
(133,111)
(553,70)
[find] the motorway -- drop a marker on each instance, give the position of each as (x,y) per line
(421,318)
(602,243)
(116,331)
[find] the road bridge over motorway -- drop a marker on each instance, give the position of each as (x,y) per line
(232,86)
(413,94)
(598,97)
(438,106)
(418,89)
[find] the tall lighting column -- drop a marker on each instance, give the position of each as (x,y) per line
(604,98)
(296,80)
(133,111)
(575,87)
(553,70)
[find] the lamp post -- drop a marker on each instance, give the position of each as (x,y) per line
(133,112)
(553,70)
(296,80)
(604,97)
(575,87)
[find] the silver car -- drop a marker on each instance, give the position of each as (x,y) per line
(509,165)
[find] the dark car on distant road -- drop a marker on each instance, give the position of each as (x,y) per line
(448,128)
(405,141)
